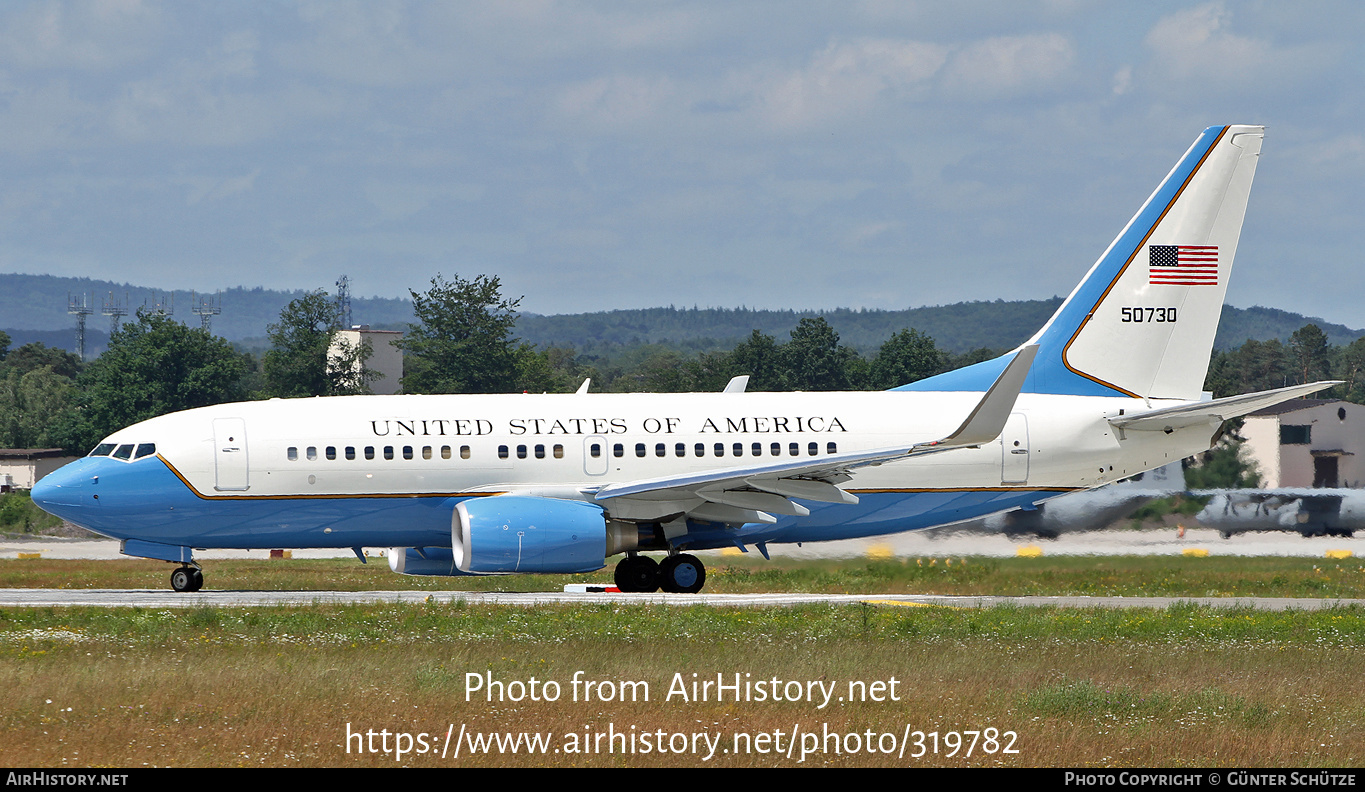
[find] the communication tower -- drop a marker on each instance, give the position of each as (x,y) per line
(80,307)
(164,305)
(207,307)
(115,309)
(344,303)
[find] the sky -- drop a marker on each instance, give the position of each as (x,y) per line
(622,155)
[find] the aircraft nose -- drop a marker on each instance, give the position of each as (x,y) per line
(66,486)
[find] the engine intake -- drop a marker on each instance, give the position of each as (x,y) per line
(511,533)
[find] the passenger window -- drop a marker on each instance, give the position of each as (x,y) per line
(426,452)
(369,452)
(776,449)
(145,449)
(407,452)
(124,452)
(445,452)
(699,449)
(292,453)
(813,448)
(639,449)
(540,451)
(595,450)
(350,452)
(331,452)
(758,449)
(660,450)
(559,452)
(464,452)
(618,450)
(794,449)
(388,452)
(312,453)
(719,449)
(102,449)
(831,448)
(521,452)
(680,450)
(739,449)
(502,452)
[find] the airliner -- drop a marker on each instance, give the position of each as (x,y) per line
(1109,387)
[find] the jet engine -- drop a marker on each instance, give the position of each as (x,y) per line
(511,533)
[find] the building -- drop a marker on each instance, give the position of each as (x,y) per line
(21,467)
(1308,443)
(386,358)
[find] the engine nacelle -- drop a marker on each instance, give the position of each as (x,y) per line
(437,561)
(511,533)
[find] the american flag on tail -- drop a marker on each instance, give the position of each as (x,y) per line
(1183,265)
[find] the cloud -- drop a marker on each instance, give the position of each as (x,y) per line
(1009,65)
(78,36)
(850,77)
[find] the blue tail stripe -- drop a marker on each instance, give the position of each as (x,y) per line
(1049,373)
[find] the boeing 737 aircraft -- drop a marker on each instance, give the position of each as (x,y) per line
(491,484)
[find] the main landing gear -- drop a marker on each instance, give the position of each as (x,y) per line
(187,578)
(678,574)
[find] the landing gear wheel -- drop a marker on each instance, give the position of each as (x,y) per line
(682,574)
(637,575)
(197,579)
(182,579)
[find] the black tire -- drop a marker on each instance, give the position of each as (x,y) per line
(196,579)
(682,574)
(637,575)
(182,580)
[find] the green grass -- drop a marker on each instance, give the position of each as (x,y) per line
(1185,685)
(1131,576)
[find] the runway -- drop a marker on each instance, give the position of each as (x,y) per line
(146,598)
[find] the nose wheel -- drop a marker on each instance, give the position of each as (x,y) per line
(187,578)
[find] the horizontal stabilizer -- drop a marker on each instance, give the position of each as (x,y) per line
(1198,413)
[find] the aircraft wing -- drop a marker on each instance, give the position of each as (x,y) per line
(748,494)
(1168,419)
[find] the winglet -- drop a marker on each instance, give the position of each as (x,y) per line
(987,421)
(737,384)
(584,387)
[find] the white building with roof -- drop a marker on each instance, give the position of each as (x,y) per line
(1308,443)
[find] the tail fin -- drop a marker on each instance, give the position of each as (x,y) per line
(1142,321)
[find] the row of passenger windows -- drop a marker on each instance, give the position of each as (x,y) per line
(595,450)
(311,452)
(717,449)
(126,452)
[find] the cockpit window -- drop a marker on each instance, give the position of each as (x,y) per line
(145,449)
(124,452)
(102,449)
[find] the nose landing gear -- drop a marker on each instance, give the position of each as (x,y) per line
(187,578)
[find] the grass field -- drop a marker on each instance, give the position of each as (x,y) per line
(1177,576)
(1183,686)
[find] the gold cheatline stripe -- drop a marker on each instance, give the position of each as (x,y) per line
(202,496)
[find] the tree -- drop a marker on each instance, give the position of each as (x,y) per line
(1309,351)
(760,357)
(814,359)
(463,340)
(32,405)
(306,357)
(30,357)
(153,366)
(906,357)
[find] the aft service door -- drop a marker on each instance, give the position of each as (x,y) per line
(1014,450)
(229,454)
